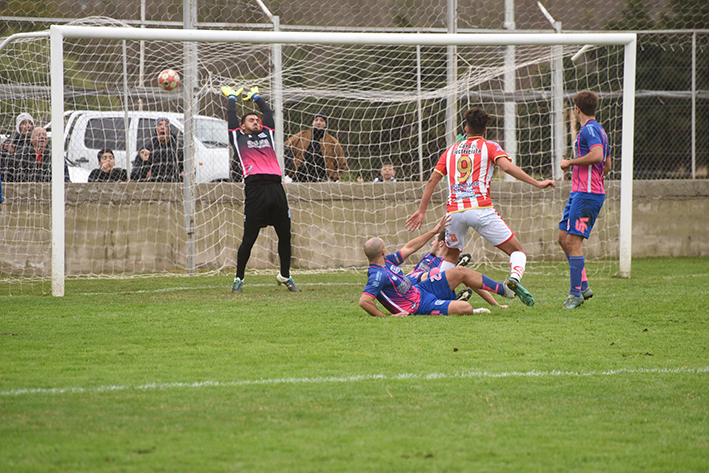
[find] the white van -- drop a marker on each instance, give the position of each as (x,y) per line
(88,132)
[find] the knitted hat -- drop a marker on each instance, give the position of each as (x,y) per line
(321,115)
(22,117)
(160,119)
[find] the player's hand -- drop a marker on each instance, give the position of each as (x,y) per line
(400,314)
(231,93)
(414,222)
(144,154)
(252,95)
(443,223)
(548,183)
(565,164)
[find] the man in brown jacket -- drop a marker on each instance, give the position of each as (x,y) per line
(316,154)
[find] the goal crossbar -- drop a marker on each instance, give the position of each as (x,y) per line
(59,32)
(390,39)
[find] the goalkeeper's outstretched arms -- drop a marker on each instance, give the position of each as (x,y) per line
(232,95)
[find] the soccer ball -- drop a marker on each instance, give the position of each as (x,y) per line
(168,79)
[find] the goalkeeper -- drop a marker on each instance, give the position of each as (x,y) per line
(266,203)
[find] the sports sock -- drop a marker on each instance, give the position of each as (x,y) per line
(518,261)
(447,265)
(492,286)
(576,267)
(584,279)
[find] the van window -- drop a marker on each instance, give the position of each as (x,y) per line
(213,133)
(106,132)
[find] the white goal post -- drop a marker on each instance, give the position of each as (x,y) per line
(59,33)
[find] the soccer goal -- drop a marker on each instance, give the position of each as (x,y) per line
(387,98)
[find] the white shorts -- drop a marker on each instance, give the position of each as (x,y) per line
(487,222)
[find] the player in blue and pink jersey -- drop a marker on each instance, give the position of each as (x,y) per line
(431,261)
(388,284)
(430,265)
(590,165)
(266,203)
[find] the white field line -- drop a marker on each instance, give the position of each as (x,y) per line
(195,288)
(222,286)
(352,379)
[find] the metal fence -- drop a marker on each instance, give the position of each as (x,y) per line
(672,101)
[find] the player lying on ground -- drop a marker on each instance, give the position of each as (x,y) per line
(389,285)
(430,265)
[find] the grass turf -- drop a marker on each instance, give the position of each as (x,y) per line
(178,374)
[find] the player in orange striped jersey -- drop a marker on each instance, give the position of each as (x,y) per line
(469,166)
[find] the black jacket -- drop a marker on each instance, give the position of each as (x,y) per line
(166,162)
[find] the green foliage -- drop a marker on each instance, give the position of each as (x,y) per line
(21,8)
(178,374)
(685,14)
(664,63)
(633,16)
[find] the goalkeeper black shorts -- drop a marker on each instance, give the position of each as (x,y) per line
(266,204)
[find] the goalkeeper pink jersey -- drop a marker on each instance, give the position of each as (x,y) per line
(469,166)
(256,153)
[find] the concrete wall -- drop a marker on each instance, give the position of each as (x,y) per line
(117,228)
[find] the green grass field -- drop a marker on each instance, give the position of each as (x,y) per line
(179,375)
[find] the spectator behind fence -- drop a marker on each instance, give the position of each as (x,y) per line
(160,159)
(315,154)
(107,172)
(33,163)
(24,124)
(387,173)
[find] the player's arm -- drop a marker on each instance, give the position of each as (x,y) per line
(232,95)
(595,155)
(414,222)
(414,245)
(366,302)
(268,120)
(504,163)
(608,165)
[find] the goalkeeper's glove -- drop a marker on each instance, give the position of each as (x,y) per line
(251,95)
(231,93)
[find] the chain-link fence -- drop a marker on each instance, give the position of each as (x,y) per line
(672,102)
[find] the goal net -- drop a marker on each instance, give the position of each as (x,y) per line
(383,105)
